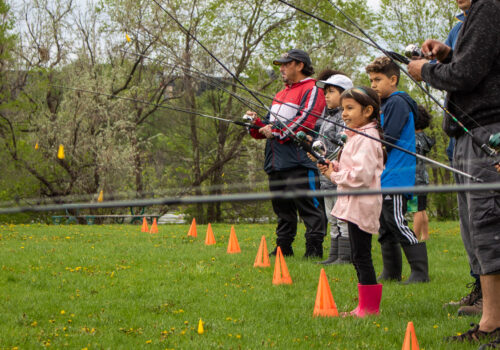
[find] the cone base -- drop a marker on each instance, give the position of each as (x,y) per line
(261,265)
(326,313)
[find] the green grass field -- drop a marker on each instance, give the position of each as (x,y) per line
(113,287)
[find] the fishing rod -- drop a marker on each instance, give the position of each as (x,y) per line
(208,78)
(217,84)
(494,140)
(302,143)
(169,107)
(394,55)
(317,148)
(483,146)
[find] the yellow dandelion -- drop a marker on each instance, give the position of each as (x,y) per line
(63,312)
(200,327)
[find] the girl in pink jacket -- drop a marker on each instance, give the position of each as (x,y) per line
(360,166)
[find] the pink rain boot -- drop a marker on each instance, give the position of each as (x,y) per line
(369,300)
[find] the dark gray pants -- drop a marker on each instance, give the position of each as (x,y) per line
(479,211)
(311,210)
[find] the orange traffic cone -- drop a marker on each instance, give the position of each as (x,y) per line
(410,342)
(281,275)
(192,229)
(209,238)
(233,246)
(262,258)
(154,227)
(144,225)
(324,305)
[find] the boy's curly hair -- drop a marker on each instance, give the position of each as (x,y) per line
(385,66)
(327,73)
(424,118)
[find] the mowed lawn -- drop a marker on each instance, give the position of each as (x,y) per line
(113,287)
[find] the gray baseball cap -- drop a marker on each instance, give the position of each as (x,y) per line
(339,80)
(294,54)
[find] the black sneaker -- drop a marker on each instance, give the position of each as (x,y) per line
(314,251)
(474,335)
(286,251)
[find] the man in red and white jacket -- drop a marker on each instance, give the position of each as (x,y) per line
(286,164)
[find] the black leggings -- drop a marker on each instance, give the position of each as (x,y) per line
(361,254)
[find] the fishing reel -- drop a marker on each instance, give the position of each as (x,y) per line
(319,147)
(343,139)
(247,118)
(494,141)
(413,50)
(301,138)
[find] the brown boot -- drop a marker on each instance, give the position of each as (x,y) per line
(470,298)
(472,310)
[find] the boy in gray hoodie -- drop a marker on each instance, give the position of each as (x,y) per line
(333,84)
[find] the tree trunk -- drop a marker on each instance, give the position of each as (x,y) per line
(190,102)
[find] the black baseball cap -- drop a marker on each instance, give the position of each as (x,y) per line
(294,55)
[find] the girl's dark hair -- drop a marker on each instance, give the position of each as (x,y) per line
(366,96)
(327,73)
(423,119)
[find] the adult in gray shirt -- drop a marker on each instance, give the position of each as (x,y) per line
(470,73)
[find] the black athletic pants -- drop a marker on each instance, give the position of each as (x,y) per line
(311,210)
(361,254)
(393,225)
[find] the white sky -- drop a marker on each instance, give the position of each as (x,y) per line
(374,4)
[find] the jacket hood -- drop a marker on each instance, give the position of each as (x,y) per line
(461,16)
(409,100)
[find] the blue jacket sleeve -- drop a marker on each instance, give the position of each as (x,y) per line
(396,115)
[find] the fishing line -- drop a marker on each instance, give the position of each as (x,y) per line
(396,57)
(164,106)
(303,143)
(384,142)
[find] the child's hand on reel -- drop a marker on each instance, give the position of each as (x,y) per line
(328,170)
